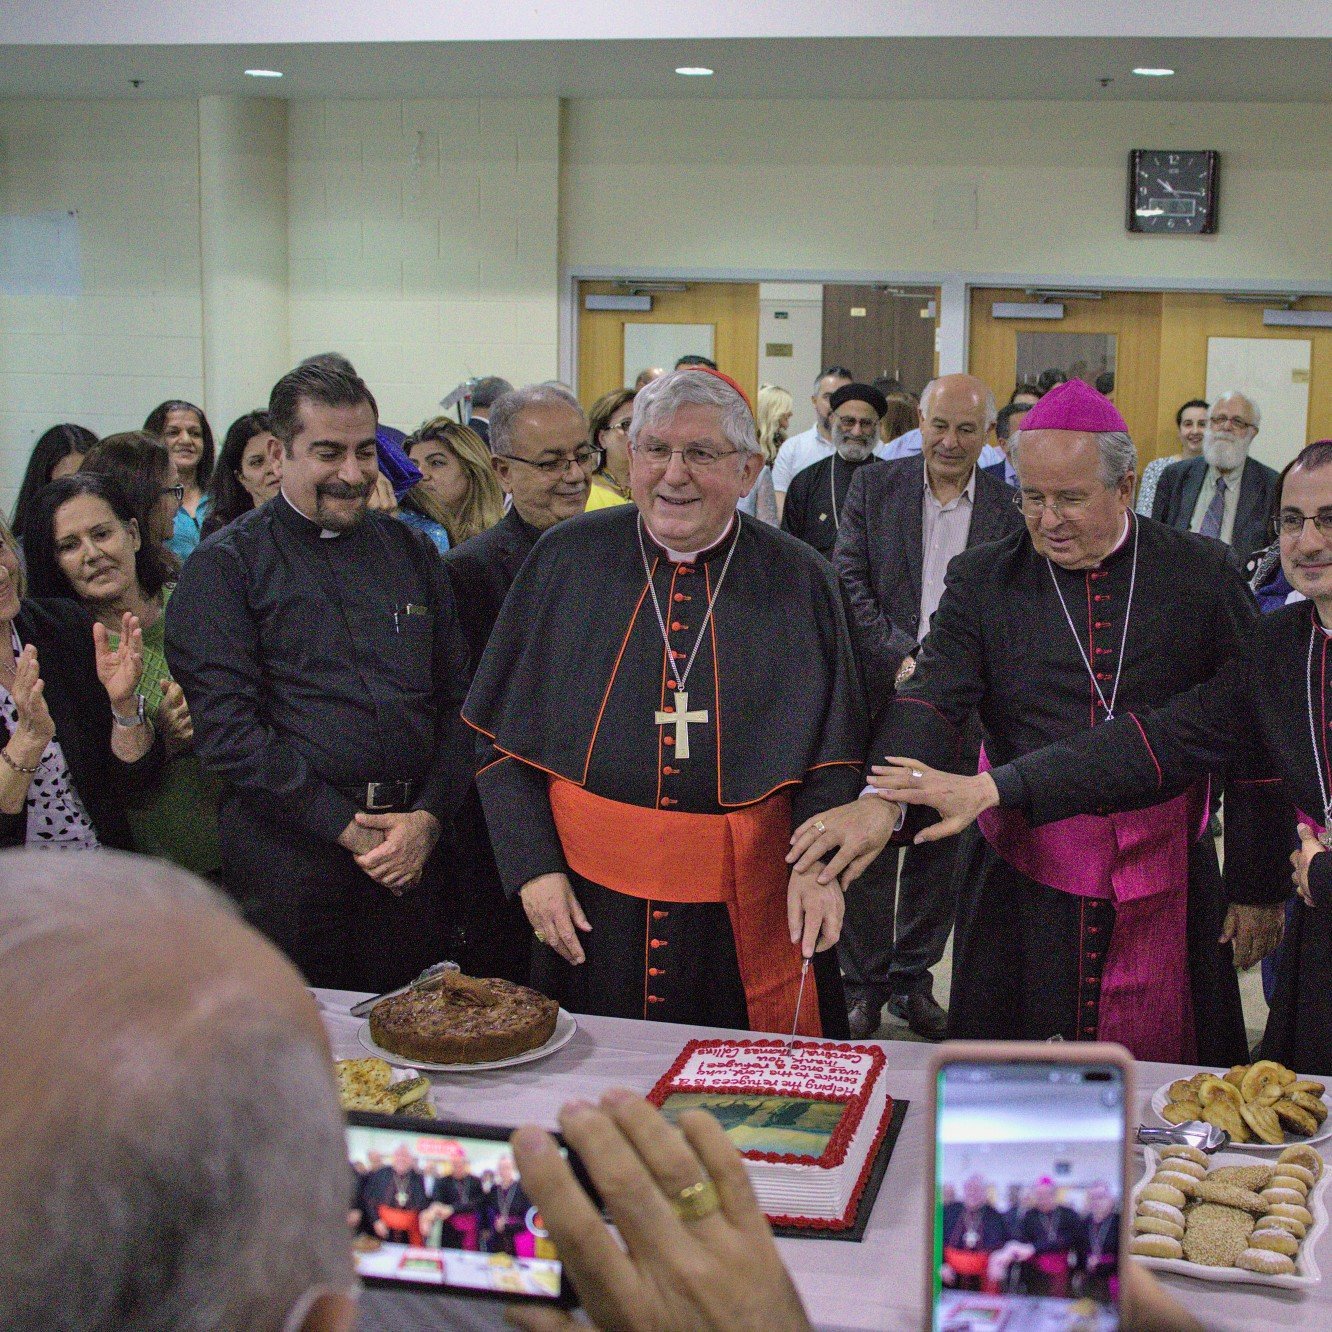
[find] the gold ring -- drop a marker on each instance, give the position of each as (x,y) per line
(916,774)
(540,938)
(697,1201)
(819,826)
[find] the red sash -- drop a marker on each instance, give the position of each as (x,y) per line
(971,1263)
(738,858)
(402,1218)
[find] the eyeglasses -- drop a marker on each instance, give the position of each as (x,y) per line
(1235,422)
(1033,506)
(867,424)
(586,460)
(1290,523)
(694,456)
(178,491)
(620,427)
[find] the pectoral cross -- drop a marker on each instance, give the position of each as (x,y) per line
(680,716)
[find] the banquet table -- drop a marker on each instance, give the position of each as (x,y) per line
(875,1284)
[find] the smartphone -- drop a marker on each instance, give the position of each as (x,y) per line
(440,1206)
(1029,1178)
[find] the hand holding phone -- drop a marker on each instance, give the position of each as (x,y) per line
(720,1271)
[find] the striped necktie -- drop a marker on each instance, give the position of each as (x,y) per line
(1211,523)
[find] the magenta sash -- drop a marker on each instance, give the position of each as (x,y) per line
(1139,859)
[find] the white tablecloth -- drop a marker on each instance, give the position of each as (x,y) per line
(876,1284)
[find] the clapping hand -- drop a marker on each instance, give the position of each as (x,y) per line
(173,718)
(120,668)
(35,729)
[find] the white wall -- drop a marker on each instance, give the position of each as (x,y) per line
(133,337)
(856,186)
(424,242)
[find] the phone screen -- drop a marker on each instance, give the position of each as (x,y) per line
(446,1210)
(1028,1189)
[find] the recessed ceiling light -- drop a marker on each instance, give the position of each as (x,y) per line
(693,71)
(1149,72)
(264,73)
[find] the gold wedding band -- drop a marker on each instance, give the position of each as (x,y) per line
(697,1201)
(820,827)
(916,774)
(540,938)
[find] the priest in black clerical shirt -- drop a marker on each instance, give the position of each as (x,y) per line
(542,457)
(666,683)
(817,494)
(319,649)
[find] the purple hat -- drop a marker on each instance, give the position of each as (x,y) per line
(1074,405)
(401,471)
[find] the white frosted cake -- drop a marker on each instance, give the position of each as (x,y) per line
(807,1116)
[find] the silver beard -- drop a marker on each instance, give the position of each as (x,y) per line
(851,450)
(1223,450)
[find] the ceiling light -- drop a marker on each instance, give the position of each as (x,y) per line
(693,71)
(264,73)
(1150,72)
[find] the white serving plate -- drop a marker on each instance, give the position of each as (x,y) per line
(1306,1267)
(1292,1140)
(565,1026)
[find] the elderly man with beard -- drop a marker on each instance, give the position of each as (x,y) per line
(1224,493)
(817,495)
(321,654)
(900,526)
(643,765)
(1113,926)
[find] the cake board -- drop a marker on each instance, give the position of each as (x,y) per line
(855,1232)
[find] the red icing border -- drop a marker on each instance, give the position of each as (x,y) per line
(839,1142)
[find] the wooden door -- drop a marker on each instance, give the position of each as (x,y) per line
(877,332)
(732,308)
(1189,319)
(1134,317)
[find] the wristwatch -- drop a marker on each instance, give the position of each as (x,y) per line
(138,718)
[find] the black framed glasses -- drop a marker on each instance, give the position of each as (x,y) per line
(177,490)
(1290,522)
(586,460)
(1222,422)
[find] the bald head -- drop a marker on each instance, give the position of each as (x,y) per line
(956,413)
(179,1125)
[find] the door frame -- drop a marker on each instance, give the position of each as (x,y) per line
(954,294)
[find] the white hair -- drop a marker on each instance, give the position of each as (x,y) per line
(991,411)
(505,410)
(667,393)
(1118,455)
(172,1155)
(1254,410)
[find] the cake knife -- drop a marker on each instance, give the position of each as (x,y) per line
(429,974)
(800,994)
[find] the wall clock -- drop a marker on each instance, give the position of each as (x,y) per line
(1173,192)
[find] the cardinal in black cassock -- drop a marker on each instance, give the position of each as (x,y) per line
(653,721)
(1105,926)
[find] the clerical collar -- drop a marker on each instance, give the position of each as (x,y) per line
(1119,545)
(690,556)
(326,532)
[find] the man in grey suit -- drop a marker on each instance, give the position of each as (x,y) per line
(1224,493)
(903,522)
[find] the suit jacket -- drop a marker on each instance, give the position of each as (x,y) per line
(1181,483)
(998,471)
(62,633)
(482,571)
(879,557)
